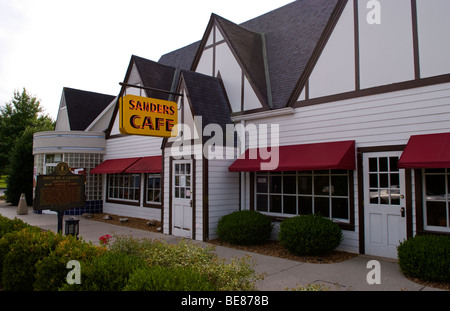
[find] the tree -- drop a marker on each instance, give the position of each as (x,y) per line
(20,173)
(21,112)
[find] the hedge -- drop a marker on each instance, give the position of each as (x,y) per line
(244,228)
(310,235)
(426,257)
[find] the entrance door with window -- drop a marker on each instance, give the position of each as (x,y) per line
(182,198)
(384,203)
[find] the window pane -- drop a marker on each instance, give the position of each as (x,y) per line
(383,164)
(157,182)
(261,184)
(261,203)
(289,205)
(275,184)
(436,214)
(339,208)
(322,206)
(275,204)
(339,185)
(289,184)
(435,185)
(373,165)
(150,195)
(384,180)
(321,185)
(373,182)
(305,184)
(304,205)
(393,164)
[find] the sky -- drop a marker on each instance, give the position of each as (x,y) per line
(46,45)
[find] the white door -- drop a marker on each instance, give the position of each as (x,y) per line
(182,198)
(384,203)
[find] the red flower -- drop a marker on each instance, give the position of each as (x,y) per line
(104,240)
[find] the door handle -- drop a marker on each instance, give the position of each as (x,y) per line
(402,211)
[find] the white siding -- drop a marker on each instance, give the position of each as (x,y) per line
(223,196)
(132,146)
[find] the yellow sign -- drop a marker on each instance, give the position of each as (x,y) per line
(148,116)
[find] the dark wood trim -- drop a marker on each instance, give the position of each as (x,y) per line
(351,198)
(205,183)
(357,60)
(418,179)
(360,172)
(408,196)
(170,194)
(252,177)
(375,90)
(242,91)
(415,39)
(381,148)
(193,195)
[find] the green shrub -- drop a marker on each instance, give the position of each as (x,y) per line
(245,228)
(426,257)
(107,272)
(11,225)
(237,274)
(129,245)
(27,248)
(159,278)
(51,271)
(310,235)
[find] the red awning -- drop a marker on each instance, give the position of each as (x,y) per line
(146,165)
(320,156)
(114,166)
(427,151)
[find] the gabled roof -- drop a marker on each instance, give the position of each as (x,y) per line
(294,35)
(155,75)
(83,107)
(249,48)
(208,99)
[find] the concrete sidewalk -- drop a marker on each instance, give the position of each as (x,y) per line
(350,275)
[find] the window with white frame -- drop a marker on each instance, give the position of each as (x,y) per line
(124,187)
(437,199)
(153,189)
(323,192)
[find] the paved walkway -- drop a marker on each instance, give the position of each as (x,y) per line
(350,275)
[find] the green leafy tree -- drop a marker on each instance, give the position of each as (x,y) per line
(19,120)
(20,173)
(21,112)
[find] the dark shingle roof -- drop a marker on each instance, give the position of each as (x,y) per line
(155,75)
(83,107)
(181,58)
(291,33)
(208,99)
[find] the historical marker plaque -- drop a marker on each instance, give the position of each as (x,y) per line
(59,191)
